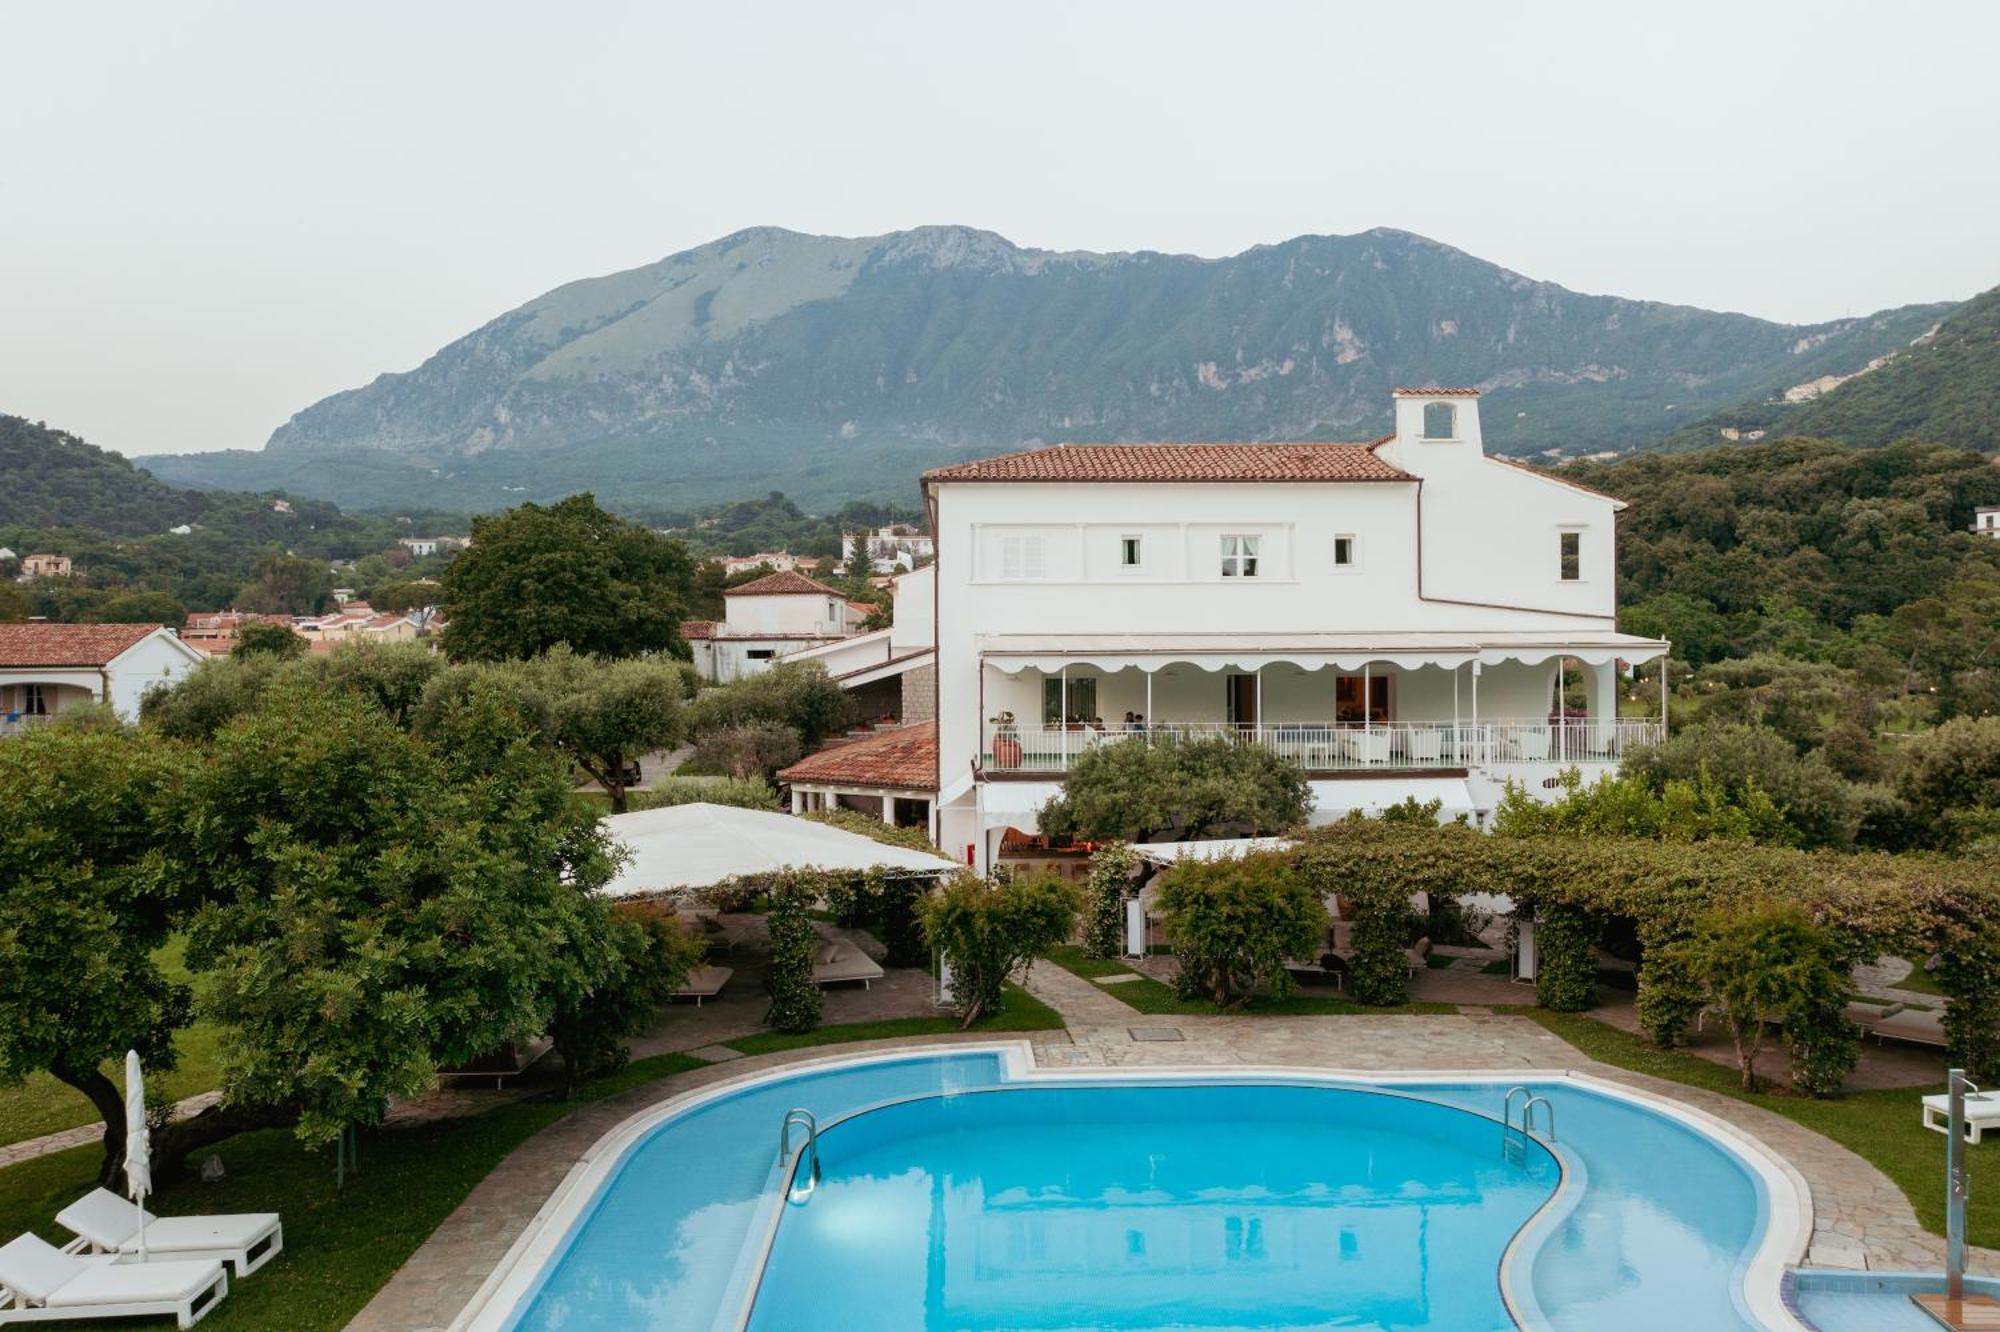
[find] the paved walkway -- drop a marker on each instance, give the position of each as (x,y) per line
(85,1134)
(1861,1218)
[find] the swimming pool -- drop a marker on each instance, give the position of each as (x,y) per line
(965,1189)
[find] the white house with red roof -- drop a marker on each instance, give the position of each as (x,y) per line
(46,668)
(1393,615)
(766,618)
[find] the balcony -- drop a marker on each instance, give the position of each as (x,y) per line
(19,723)
(1337,747)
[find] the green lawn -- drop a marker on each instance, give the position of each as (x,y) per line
(1881,1126)
(1158,998)
(43,1105)
(341,1245)
(1019,1011)
(1919,982)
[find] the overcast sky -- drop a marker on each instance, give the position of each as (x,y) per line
(211,215)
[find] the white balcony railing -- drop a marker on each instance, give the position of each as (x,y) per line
(16,723)
(1340,746)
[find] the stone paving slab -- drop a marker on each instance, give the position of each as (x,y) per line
(85,1134)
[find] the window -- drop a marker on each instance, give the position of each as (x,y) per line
(1021,559)
(1571,556)
(1239,557)
(760,654)
(1082,699)
(1440,421)
(1128,552)
(1343,552)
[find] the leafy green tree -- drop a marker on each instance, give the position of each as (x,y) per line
(1177,791)
(600,714)
(374,914)
(1821,809)
(1773,969)
(402,597)
(1950,779)
(143,608)
(568,573)
(286,585)
(1235,922)
(268,637)
(651,955)
(86,900)
(794,694)
(13,606)
(987,931)
(757,750)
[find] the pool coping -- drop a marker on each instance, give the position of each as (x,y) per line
(1788,1223)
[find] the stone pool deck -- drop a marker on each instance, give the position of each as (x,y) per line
(1861,1219)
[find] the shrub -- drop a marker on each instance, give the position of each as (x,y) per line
(1166,790)
(796,1002)
(1236,921)
(987,930)
(1969,971)
(1565,959)
(798,695)
(867,825)
(752,751)
(1112,872)
(650,956)
(746,793)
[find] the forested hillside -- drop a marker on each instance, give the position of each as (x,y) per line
(55,479)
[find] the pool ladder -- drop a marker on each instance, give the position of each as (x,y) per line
(1515,1147)
(803,1182)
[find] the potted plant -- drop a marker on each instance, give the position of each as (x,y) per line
(1006,741)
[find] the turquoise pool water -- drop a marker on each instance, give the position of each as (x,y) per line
(952,1198)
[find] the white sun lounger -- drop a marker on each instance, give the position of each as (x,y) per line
(103,1222)
(842,961)
(1982,1112)
(39,1283)
(704,983)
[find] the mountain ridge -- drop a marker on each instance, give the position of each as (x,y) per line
(836,367)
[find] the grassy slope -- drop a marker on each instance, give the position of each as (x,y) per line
(43,1105)
(1156,997)
(1880,1126)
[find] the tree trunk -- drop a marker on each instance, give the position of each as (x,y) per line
(174,1143)
(110,1105)
(1748,1044)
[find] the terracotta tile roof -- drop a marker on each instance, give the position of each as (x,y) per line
(696,629)
(1547,475)
(1179,462)
(67,644)
(784,584)
(1436,393)
(905,758)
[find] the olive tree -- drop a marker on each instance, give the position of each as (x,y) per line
(989,930)
(1170,790)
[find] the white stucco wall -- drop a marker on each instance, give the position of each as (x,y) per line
(786,613)
(915,620)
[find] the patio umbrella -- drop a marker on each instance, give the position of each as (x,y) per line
(138,1143)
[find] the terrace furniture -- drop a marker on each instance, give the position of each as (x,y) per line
(504,1061)
(1531,745)
(838,960)
(1917,1026)
(39,1283)
(103,1222)
(1419,954)
(1368,746)
(1426,746)
(1982,1112)
(704,983)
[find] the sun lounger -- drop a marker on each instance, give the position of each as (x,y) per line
(1419,954)
(1982,1112)
(39,1283)
(103,1222)
(1917,1026)
(841,961)
(704,983)
(500,1063)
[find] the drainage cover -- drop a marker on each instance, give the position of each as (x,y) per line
(1156,1033)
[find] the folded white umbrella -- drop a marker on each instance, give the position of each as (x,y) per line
(138,1143)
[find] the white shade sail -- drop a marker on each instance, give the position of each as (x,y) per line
(699,845)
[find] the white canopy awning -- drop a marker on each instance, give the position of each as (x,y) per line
(700,845)
(1013,653)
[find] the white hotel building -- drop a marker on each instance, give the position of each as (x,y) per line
(1394,616)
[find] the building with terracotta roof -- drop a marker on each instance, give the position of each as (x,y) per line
(768,617)
(891,773)
(47,668)
(1394,616)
